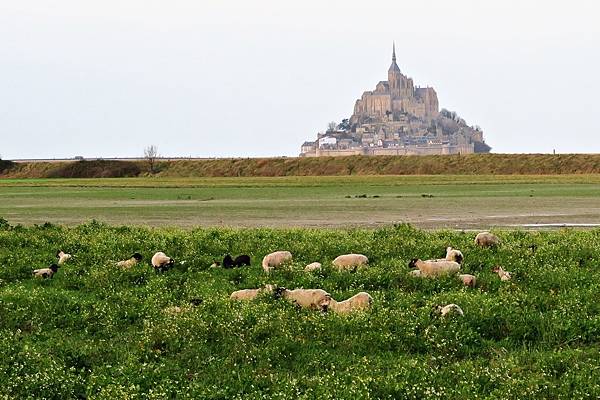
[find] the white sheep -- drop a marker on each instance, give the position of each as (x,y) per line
(359,302)
(62,257)
(435,267)
(251,294)
(449,309)
(504,275)
(350,261)
(486,239)
(161,262)
(46,272)
(276,259)
(133,260)
(313,267)
(468,280)
(314,299)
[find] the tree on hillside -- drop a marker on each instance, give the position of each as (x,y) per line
(151,154)
(344,125)
(331,126)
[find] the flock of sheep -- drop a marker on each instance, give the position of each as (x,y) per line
(318,299)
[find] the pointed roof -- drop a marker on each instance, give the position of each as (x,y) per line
(394,67)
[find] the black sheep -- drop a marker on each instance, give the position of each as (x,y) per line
(239,261)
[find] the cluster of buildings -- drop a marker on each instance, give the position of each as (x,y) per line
(398,118)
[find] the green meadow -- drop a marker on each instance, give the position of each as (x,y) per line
(96,331)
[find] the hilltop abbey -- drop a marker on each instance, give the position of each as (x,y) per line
(398,118)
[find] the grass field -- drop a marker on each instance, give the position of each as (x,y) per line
(98,332)
(462,202)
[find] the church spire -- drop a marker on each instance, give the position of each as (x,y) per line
(394,67)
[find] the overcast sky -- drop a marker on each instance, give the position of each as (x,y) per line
(258,77)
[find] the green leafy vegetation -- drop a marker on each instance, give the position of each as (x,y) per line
(97,331)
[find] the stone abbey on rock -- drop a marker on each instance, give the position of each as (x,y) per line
(398,118)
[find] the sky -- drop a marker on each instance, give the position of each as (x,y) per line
(249,78)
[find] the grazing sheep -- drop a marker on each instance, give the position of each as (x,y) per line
(161,262)
(46,272)
(239,261)
(448,310)
(313,267)
(276,259)
(314,299)
(359,302)
(62,257)
(468,280)
(486,239)
(135,258)
(251,294)
(504,275)
(454,255)
(350,261)
(435,267)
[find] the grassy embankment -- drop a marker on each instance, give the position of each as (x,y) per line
(472,164)
(98,332)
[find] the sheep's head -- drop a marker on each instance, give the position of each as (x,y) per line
(54,267)
(497,269)
(458,257)
(196,301)
(323,304)
(171,262)
(279,292)
(436,311)
(413,263)
(137,256)
(227,260)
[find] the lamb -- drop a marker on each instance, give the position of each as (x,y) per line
(62,257)
(313,267)
(350,261)
(46,272)
(435,267)
(314,299)
(239,261)
(251,294)
(468,280)
(448,310)
(276,259)
(359,302)
(134,260)
(486,239)
(161,262)
(504,275)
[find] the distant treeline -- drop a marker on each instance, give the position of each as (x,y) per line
(471,164)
